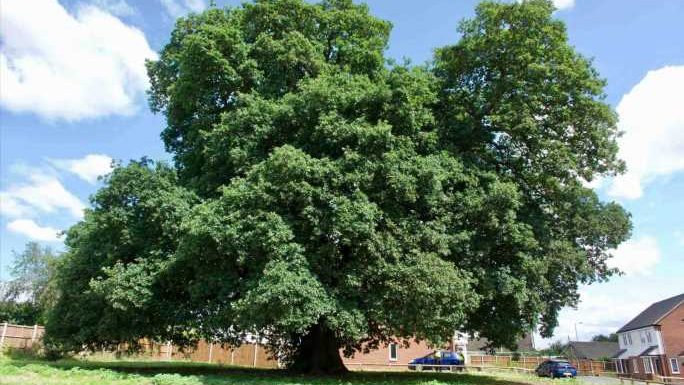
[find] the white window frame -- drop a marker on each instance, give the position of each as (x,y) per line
(674,365)
(629,337)
(648,337)
(624,339)
(396,351)
(642,335)
(648,369)
(635,364)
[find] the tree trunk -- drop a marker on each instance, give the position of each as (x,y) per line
(319,353)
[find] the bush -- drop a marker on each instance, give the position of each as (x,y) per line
(174,379)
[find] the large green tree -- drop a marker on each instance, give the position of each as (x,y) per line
(325,198)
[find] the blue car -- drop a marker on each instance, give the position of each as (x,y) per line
(429,362)
(556,368)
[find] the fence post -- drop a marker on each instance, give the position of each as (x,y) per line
(232,356)
(211,351)
(256,345)
(169,348)
(4,333)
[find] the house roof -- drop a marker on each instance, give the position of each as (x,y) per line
(591,350)
(482,344)
(619,353)
(648,351)
(653,313)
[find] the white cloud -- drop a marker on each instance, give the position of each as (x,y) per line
(652,118)
(596,183)
(87,168)
(606,307)
(32,230)
(63,66)
(11,207)
(178,8)
(42,192)
(115,7)
(564,4)
(559,4)
(636,256)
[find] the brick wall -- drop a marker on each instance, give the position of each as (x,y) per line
(672,329)
(381,356)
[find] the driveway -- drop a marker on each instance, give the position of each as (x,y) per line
(596,380)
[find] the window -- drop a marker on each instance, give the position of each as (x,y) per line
(674,365)
(393,352)
(648,369)
(648,337)
(629,338)
(643,337)
(635,364)
(624,339)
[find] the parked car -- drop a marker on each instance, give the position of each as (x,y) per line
(429,362)
(555,368)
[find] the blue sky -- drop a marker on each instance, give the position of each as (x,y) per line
(72,98)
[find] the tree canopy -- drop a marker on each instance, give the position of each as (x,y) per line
(612,337)
(326,198)
(31,291)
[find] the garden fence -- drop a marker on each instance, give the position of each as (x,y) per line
(584,367)
(20,336)
(255,355)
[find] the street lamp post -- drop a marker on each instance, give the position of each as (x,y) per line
(577,335)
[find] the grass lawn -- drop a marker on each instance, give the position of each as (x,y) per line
(29,371)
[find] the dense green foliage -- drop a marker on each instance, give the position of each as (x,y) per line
(324,198)
(556,348)
(25,298)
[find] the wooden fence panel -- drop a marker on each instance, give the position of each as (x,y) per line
(20,336)
(585,367)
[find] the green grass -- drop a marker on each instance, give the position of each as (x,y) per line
(17,370)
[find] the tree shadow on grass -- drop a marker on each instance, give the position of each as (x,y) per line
(212,374)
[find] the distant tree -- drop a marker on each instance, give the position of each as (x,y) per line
(557,348)
(20,313)
(326,199)
(612,337)
(27,295)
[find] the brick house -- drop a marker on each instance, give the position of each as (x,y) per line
(388,355)
(652,344)
(399,354)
